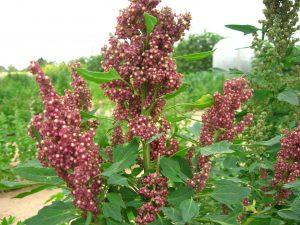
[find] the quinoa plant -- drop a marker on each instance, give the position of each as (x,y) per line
(159,167)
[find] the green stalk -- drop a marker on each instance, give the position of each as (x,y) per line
(146,156)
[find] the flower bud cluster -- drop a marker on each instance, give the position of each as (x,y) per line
(141,127)
(161,146)
(287,168)
(220,120)
(201,175)
(154,189)
(145,65)
(117,136)
(63,144)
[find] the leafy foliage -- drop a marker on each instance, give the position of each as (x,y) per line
(193,44)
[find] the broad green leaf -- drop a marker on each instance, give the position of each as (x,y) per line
(179,195)
(41,175)
(12,185)
(112,210)
(171,169)
(295,184)
(78,221)
(33,191)
(229,192)
(116,198)
(183,88)
(221,219)
(289,96)
(195,56)
(217,148)
(99,77)
(173,214)
(189,210)
(254,220)
(195,129)
(271,142)
(87,116)
(161,221)
(204,102)
(54,214)
(276,222)
(153,138)
(113,222)
(289,214)
(261,95)
(117,179)
(150,22)
(124,156)
(246,29)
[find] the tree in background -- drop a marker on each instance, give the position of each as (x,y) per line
(2,69)
(193,44)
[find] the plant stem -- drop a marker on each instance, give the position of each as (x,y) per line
(146,156)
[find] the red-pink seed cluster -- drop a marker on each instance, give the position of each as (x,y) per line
(64,146)
(142,127)
(161,146)
(154,189)
(117,136)
(220,119)
(201,174)
(287,168)
(81,92)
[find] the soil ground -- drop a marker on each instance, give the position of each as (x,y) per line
(23,208)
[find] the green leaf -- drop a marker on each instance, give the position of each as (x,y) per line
(189,210)
(99,77)
(179,195)
(116,179)
(116,198)
(150,22)
(229,192)
(12,185)
(161,221)
(153,138)
(113,222)
(33,191)
(41,175)
(273,141)
(261,95)
(54,214)
(289,96)
(171,169)
(276,222)
(295,184)
(183,88)
(204,102)
(289,214)
(173,214)
(78,221)
(217,148)
(112,210)
(246,29)
(124,156)
(195,56)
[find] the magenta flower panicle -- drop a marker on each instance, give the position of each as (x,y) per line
(287,167)
(220,120)
(64,145)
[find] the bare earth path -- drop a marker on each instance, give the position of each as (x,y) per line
(25,207)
